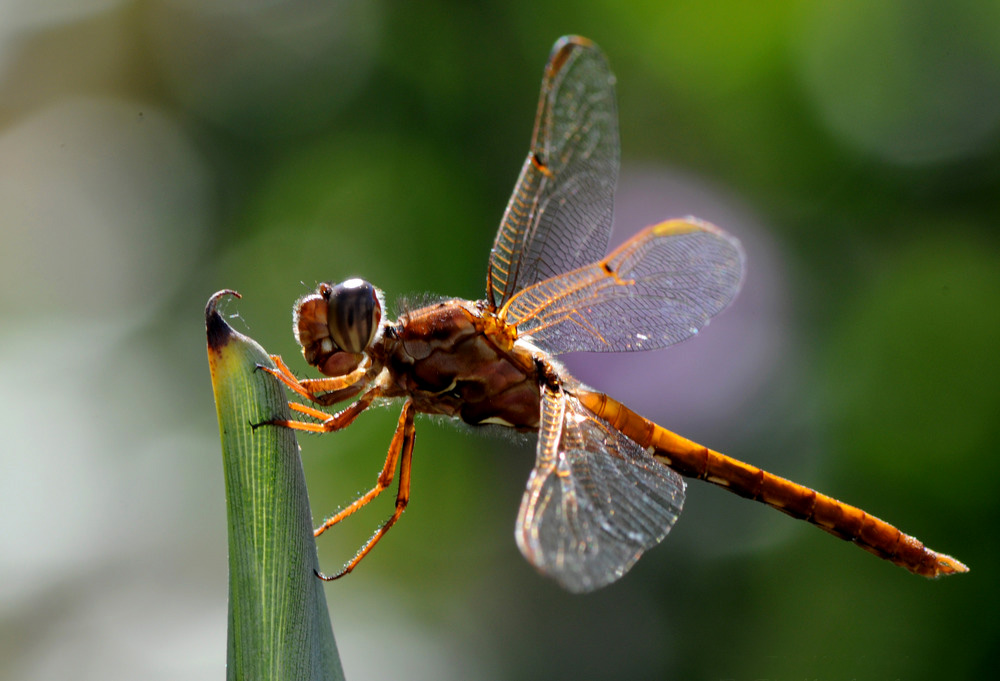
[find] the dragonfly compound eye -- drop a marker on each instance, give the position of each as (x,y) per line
(353,315)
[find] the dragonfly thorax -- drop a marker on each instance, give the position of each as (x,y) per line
(455,358)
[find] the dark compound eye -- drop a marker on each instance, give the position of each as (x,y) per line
(353,315)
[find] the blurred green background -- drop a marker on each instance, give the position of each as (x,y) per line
(153,152)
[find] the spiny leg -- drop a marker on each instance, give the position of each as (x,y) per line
(328,422)
(401,447)
(313,389)
(388,470)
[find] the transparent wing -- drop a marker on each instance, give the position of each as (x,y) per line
(658,288)
(559,216)
(595,500)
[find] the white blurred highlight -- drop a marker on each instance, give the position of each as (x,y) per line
(104,207)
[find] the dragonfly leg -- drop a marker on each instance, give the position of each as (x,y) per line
(323,391)
(401,449)
(327,422)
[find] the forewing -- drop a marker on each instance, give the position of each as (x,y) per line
(595,500)
(658,288)
(559,216)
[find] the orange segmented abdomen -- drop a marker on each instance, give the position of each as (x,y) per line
(842,520)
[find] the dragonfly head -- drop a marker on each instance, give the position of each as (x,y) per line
(337,324)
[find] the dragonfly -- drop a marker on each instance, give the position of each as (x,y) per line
(607,483)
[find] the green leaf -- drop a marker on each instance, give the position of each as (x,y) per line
(279,626)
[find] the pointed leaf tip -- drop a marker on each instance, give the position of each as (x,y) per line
(218,331)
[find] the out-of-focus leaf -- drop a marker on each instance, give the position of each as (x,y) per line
(279,627)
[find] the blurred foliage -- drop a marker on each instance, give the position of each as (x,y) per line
(382,140)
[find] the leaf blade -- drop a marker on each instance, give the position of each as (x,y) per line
(279,626)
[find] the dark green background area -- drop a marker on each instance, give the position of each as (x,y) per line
(862,139)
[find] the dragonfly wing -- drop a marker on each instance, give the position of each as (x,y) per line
(595,500)
(658,288)
(559,216)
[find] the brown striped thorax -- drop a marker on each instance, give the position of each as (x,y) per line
(607,483)
(454,358)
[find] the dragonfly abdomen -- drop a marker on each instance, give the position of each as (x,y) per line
(839,519)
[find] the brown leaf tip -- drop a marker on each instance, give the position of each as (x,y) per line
(216,328)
